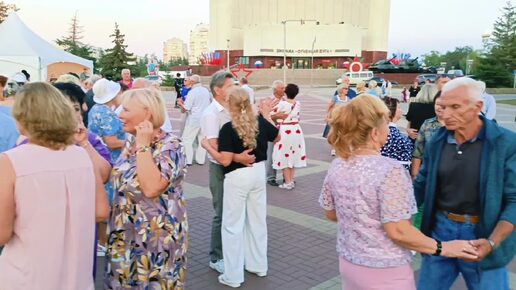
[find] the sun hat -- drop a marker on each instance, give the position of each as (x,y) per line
(105,90)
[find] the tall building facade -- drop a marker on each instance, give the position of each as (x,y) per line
(174,48)
(198,43)
(330,31)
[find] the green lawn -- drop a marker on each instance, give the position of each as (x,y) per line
(507,102)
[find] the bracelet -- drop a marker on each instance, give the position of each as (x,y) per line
(85,144)
(143,149)
(439,248)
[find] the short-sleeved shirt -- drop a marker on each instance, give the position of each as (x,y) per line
(198,100)
(230,142)
(212,120)
(425,134)
(104,123)
(8,131)
(367,192)
(351,93)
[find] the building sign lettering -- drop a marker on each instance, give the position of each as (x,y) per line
(304,51)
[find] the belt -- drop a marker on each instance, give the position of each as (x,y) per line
(472,219)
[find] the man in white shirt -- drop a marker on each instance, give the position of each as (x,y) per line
(489,108)
(244,85)
(278,93)
(213,118)
(198,100)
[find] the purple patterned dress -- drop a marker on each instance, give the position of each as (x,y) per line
(147,238)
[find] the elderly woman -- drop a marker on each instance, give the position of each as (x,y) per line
(148,226)
(398,146)
(371,197)
(50,197)
(374,89)
(244,226)
(290,153)
(338,100)
(420,109)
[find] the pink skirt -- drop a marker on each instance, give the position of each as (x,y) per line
(355,277)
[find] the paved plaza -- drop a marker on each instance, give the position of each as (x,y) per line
(301,245)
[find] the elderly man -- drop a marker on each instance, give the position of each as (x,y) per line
(126,78)
(468,186)
(278,93)
(244,84)
(198,100)
(213,118)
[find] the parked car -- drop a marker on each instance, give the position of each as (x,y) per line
(154,78)
(421,79)
(455,73)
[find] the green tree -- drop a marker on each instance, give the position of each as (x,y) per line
(117,58)
(72,43)
(5,9)
(496,66)
(434,58)
(169,81)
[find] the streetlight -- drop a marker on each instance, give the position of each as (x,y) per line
(312,70)
(284,22)
(227,55)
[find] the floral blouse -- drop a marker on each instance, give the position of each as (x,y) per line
(367,192)
(148,237)
(425,134)
(104,122)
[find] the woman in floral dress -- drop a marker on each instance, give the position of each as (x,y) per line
(290,152)
(147,230)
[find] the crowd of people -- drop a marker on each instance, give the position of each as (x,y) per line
(92,165)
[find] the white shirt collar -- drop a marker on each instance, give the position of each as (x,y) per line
(219,107)
(392,124)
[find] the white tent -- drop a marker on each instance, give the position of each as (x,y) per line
(21,49)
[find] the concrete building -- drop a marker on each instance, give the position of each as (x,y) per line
(174,48)
(330,31)
(198,43)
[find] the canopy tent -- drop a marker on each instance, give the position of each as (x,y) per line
(23,49)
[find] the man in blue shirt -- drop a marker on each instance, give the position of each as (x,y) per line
(468,186)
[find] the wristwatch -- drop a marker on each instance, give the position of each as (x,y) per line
(492,243)
(439,248)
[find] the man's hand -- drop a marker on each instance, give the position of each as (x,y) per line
(245,158)
(483,247)
(267,105)
(412,133)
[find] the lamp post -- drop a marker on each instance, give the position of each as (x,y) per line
(312,70)
(227,54)
(284,22)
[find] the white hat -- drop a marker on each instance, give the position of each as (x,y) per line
(104,91)
(19,78)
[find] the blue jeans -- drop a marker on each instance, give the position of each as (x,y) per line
(439,273)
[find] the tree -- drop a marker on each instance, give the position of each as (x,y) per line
(5,9)
(496,66)
(72,43)
(434,58)
(117,58)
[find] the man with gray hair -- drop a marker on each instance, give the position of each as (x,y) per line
(213,118)
(278,93)
(198,100)
(88,98)
(468,186)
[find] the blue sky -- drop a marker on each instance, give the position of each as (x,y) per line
(416,26)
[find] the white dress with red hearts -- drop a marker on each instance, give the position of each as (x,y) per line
(290,151)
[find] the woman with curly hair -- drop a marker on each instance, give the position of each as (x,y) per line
(244,227)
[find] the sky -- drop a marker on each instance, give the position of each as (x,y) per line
(416,26)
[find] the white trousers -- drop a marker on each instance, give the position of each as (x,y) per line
(244,225)
(190,134)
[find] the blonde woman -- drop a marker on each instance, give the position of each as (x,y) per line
(148,226)
(50,198)
(361,88)
(244,227)
(372,199)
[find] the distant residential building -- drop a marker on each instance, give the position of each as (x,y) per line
(198,43)
(174,49)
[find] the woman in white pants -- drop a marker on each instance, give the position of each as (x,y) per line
(244,226)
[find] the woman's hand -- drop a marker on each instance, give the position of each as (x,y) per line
(81,135)
(144,134)
(459,249)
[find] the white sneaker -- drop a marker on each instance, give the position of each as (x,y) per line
(333,153)
(287,186)
(218,266)
(259,274)
(230,284)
